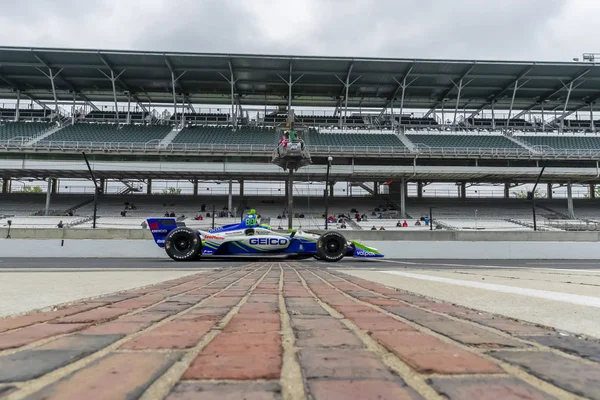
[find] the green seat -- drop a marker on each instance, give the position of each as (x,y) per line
(463,141)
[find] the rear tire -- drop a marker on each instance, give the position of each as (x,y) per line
(183,244)
(331,246)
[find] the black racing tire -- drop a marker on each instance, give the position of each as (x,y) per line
(331,246)
(183,244)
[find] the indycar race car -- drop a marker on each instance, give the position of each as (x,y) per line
(249,238)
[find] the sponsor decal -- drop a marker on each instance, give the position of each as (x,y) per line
(153,225)
(206,252)
(213,237)
(159,231)
(364,253)
(160,241)
(269,241)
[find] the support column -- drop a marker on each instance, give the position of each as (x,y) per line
(493,115)
(242,187)
(592,191)
(375,189)
(459,87)
(331,185)
(195,183)
(103,184)
(543,117)
(73,109)
(149,187)
(506,190)
(48,195)
(463,190)
(592,126)
(5,185)
(290,198)
(128,108)
(402,198)
(549,191)
(18,104)
(420,189)
(570,200)
(54,185)
(230,197)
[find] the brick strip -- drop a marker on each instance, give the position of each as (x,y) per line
(539,380)
(389,378)
(167,386)
(81,366)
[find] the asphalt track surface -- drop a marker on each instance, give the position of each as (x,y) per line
(153,263)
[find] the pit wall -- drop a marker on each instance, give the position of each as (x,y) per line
(137,243)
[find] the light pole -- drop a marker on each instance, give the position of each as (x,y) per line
(329,160)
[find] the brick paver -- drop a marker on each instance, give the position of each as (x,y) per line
(223,335)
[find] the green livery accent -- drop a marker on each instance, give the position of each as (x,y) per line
(365,248)
(239,245)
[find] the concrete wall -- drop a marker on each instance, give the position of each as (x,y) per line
(124,248)
(411,236)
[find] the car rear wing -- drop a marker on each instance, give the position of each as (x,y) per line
(160,228)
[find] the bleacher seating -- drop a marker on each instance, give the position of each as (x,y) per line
(329,120)
(486,141)
(203,117)
(112,115)
(412,121)
(8,114)
(11,130)
(315,138)
(90,132)
(225,135)
(563,142)
(580,123)
(499,122)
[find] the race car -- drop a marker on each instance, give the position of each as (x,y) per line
(251,239)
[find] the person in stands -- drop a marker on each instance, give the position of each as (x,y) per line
(60,224)
(418,223)
(398,224)
(373,228)
(382,228)
(405,224)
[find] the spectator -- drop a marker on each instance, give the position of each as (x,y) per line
(356,216)
(382,228)
(418,223)
(343,226)
(144,224)
(363,217)
(398,224)
(124,213)
(380,216)
(373,213)
(60,224)
(172,215)
(373,228)
(166,213)
(426,221)
(405,224)
(203,207)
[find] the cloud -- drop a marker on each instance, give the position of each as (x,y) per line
(466,29)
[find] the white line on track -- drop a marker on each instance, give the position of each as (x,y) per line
(542,294)
(476,266)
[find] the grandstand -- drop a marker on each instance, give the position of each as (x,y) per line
(500,128)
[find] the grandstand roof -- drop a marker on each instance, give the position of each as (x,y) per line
(319,81)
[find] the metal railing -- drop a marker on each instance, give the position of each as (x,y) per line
(21,144)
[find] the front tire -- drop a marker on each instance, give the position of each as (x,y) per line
(331,246)
(183,244)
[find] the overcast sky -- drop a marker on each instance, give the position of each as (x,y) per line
(464,29)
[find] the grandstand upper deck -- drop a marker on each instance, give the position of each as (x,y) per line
(109,132)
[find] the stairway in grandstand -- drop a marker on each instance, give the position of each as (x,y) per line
(44,134)
(170,137)
(521,143)
(409,145)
